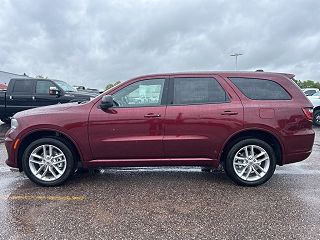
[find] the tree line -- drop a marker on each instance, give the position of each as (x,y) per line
(307,83)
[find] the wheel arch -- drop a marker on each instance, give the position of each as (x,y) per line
(35,135)
(264,135)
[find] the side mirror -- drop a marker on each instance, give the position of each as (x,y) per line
(106,102)
(54,91)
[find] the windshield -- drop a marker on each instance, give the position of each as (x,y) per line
(65,86)
(316,94)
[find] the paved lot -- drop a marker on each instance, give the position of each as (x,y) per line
(163,204)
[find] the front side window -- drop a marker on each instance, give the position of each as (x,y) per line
(198,91)
(260,89)
(43,87)
(23,86)
(142,93)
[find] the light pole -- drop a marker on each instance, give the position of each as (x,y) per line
(236,55)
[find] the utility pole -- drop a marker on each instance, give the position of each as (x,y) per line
(236,55)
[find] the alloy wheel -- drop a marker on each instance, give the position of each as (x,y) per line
(251,163)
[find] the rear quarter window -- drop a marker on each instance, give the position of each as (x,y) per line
(260,89)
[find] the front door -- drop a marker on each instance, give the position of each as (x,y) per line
(133,128)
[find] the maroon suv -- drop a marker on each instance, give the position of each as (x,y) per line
(248,122)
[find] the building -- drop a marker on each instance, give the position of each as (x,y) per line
(6,76)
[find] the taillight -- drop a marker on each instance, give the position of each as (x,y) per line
(308,112)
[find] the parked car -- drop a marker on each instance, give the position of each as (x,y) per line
(26,93)
(248,122)
(310,91)
(3,87)
(315,100)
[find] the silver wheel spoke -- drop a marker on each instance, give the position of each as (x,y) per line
(241,164)
(44,172)
(252,151)
(262,160)
(248,173)
(44,151)
(52,172)
(57,156)
(50,150)
(37,162)
(39,169)
(243,171)
(241,158)
(57,169)
(246,151)
(260,154)
(253,168)
(61,161)
(257,165)
(36,156)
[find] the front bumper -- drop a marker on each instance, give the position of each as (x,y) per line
(10,140)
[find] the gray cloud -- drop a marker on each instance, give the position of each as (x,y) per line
(97,42)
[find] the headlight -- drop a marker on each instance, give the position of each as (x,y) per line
(14,123)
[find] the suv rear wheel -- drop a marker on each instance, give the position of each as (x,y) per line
(250,162)
(48,162)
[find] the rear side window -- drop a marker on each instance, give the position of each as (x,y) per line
(23,86)
(260,89)
(198,91)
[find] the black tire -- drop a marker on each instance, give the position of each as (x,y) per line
(59,144)
(6,120)
(230,158)
(316,118)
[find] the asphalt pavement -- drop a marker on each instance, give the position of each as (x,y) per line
(163,203)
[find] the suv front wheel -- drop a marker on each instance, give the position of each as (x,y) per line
(48,162)
(250,162)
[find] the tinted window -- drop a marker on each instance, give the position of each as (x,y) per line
(142,93)
(260,89)
(316,94)
(198,91)
(43,87)
(310,92)
(23,86)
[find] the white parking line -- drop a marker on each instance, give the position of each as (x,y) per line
(4,169)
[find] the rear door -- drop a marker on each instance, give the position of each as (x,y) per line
(19,96)
(203,111)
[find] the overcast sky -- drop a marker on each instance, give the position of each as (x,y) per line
(97,42)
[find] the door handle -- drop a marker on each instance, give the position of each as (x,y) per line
(33,98)
(152,115)
(229,113)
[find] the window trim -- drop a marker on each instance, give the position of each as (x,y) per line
(171,92)
(164,96)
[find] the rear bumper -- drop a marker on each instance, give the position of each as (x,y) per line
(296,157)
(298,147)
